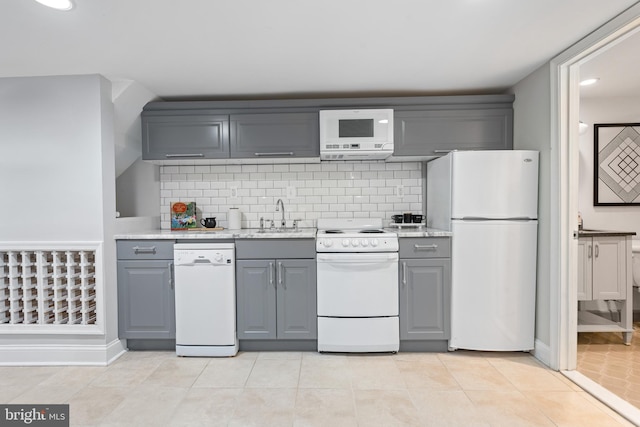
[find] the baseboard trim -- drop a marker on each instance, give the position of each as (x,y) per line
(542,352)
(61,354)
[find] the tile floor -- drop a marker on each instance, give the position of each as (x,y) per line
(605,359)
(311,389)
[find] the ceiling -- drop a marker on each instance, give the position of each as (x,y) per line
(199,49)
(616,67)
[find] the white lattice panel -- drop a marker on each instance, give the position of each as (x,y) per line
(48,287)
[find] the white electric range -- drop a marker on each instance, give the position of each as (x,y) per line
(357,279)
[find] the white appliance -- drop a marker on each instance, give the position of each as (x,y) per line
(357,280)
(489,200)
(205,299)
(365,134)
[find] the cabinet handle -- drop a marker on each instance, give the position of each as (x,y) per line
(425,247)
(590,251)
(171,278)
(271,273)
(404,273)
(290,153)
(597,250)
(280,275)
(169,156)
(144,250)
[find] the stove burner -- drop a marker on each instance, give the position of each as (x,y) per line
(371,231)
(333,231)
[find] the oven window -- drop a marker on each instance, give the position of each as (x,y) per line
(355,128)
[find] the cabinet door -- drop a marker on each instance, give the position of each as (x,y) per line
(436,132)
(425,295)
(146,299)
(609,268)
(585,256)
(256,299)
(171,136)
(296,305)
(275,135)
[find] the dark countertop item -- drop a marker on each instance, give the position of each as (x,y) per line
(595,233)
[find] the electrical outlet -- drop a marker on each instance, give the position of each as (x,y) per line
(400,191)
(291,192)
(234,192)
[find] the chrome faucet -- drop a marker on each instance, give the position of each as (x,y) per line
(283,222)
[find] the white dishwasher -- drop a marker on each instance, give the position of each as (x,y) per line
(205,284)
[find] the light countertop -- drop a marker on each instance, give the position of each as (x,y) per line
(254,233)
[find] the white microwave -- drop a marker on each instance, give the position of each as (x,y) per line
(365,134)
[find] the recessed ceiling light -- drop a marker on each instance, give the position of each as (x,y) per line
(57,4)
(585,82)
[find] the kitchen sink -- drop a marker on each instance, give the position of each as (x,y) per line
(278,230)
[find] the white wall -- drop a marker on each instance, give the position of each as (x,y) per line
(58,177)
(138,190)
(604,110)
(51,159)
(532,132)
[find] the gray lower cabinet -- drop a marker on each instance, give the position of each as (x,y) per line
(425,288)
(173,136)
(437,132)
(146,297)
(274,135)
(276,289)
(276,299)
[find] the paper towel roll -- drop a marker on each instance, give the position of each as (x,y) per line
(235,219)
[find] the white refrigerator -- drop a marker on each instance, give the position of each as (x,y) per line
(489,201)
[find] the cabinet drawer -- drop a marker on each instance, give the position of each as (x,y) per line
(145,249)
(275,248)
(425,247)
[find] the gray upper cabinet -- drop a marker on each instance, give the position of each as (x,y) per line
(171,136)
(224,131)
(274,135)
(436,132)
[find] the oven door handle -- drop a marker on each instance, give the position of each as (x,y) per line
(367,258)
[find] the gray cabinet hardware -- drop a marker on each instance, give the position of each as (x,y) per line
(144,250)
(271,273)
(404,273)
(172,280)
(171,156)
(281,275)
(425,247)
(290,153)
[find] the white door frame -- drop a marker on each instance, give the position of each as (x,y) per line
(565,100)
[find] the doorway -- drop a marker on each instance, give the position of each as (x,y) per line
(565,71)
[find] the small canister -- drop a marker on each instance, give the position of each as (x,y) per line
(235,219)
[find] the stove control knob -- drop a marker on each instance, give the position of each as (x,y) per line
(355,242)
(345,242)
(218,257)
(365,243)
(374,242)
(327,242)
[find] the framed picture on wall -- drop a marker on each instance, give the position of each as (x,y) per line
(616,164)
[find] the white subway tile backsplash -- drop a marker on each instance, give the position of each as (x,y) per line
(322,190)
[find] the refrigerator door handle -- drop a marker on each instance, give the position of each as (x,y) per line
(480,218)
